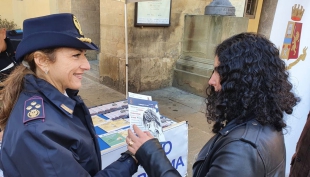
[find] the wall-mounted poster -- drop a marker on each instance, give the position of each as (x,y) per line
(153,13)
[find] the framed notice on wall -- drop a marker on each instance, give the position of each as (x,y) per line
(153,13)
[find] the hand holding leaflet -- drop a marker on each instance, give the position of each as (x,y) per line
(145,114)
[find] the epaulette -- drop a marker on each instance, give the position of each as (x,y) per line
(253,129)
(33,109)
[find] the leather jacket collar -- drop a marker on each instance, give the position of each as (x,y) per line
(223,132)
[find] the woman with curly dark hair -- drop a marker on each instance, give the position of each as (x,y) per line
(249,80)
(247,97)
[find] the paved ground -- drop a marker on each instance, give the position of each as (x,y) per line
(173,103)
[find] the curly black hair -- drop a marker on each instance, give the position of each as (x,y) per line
(253,81)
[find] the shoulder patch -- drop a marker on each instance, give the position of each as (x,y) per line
(33,109)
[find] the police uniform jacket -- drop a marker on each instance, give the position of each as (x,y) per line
(49,134)
(238,150)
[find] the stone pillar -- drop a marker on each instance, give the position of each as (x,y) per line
(202,33)
(267,16)
(64,6)
(88,14)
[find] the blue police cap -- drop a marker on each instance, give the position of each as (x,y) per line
(52,31)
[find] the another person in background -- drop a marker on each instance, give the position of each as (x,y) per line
(247,96)
(7,61)
(300,164)
(48,129)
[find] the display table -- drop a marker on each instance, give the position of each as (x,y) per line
(175,146)
(111,125)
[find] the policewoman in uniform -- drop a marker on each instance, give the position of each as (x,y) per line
(48,130)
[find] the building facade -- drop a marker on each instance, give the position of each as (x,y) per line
(152,51)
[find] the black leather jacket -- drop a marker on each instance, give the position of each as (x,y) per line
(245,150)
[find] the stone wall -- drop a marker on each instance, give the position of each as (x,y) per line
(153,51)
(88,14)
(267,17)
(61,6)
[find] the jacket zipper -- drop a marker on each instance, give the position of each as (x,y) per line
(204,163)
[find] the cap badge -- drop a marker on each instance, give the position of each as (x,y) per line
(77,25)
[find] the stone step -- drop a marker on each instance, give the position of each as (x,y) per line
(197,59)
(92,75)
(190,82)
(204,69)
(94,65)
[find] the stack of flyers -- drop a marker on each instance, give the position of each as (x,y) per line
(145,114)
(165,122)
(103,109)
(94,111)
(124,133)
(123,104)
(113,138)
(119,114)
(97,120)
(106,108)
(110,126)
(139,96)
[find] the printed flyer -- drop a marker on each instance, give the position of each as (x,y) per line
(145,114)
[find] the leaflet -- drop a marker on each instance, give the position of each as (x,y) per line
(139,96)
(145,114)
(113,139)
(110,126)
(97,120)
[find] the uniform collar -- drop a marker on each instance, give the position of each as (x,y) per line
(64,103)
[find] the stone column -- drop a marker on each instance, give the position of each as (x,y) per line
(88,14)
(267,16)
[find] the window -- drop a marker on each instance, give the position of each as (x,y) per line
(250,8)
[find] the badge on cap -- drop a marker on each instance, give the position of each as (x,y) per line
(33,109)
(78,27)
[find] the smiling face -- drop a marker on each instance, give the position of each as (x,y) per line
(66,72)
(215,79)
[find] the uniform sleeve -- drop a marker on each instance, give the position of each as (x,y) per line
(236,159)
(153,159)
(36,155)
(125,166)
